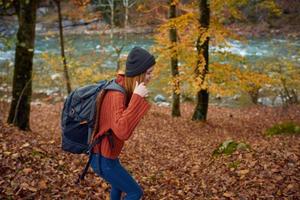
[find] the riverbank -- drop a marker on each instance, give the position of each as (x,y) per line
(8,27)
(104,31)
(287,27)
(264,30)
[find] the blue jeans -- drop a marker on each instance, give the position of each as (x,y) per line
(121,181)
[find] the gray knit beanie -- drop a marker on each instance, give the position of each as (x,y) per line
(138,61)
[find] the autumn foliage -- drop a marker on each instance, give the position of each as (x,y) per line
(238,153)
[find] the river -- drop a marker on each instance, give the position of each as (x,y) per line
(100,47)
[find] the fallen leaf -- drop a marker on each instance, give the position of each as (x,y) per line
(42,184)
(228,194)
(6,153)
(25,145)
(27,170)
(32,189)
(15,155)
(152,157)
(24,185)
(243,172)
(290,186)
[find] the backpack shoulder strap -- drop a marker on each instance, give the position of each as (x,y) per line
(89,151)
(113,85)
(108,85)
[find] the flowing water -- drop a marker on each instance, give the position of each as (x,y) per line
(101,47)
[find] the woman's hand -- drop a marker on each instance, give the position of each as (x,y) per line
(140,89)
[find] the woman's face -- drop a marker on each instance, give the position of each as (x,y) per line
(148,75)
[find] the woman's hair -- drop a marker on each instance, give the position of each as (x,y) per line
(128,86)
(99,100)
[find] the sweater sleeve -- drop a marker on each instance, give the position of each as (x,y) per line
(124,120)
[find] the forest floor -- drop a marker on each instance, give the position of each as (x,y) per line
(171,158)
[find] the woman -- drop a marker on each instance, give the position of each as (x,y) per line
(121,113)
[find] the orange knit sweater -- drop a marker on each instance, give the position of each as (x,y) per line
(121,119)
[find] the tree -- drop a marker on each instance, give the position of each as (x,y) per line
(66,73)
(286,79)
(118,51)
(251,82)
(259,11)
(111,4)
(19,113)
(201,69)
(127,4)
(174,63)
(7,7)
(197,28)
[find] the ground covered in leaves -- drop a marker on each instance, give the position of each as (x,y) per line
(170,158)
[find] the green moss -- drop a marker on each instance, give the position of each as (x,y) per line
(286,128)
(230,146)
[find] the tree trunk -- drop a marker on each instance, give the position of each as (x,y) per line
(174,64)
(127,4)
(19,113)
(112,19)
(126,20)
(254,93)
(62,48)
(118,51)
(200,112)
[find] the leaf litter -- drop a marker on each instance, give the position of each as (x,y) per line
(171,158)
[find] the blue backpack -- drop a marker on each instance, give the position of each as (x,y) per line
(78,119)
